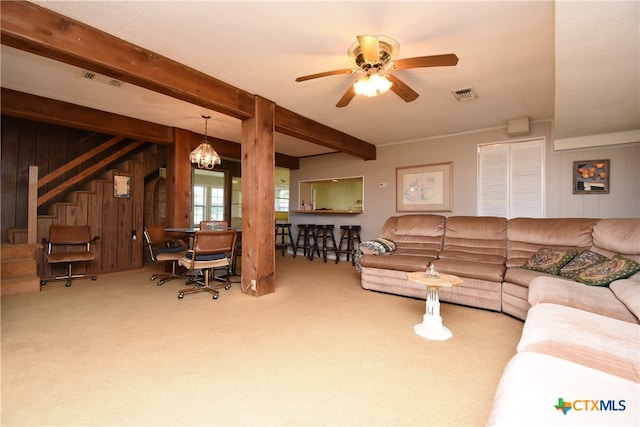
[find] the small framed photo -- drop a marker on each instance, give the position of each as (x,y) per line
(424,188)
(122,186)
(591,177)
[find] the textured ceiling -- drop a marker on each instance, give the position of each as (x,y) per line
(506,52)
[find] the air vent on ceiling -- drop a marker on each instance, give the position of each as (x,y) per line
(90,75)
(466,94)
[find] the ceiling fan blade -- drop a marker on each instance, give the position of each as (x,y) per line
(347,97)
(401,89)
(327,73)
(370,48)
(447,60)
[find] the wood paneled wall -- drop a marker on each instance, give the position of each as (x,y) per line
(115,220)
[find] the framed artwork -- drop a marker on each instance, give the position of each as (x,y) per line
(122,186)
(424,188)
(591,177)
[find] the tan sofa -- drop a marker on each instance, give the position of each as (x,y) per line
(487,253)
(580,344)
(577,362)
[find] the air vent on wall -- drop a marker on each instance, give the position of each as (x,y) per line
(90,75)
(466,94)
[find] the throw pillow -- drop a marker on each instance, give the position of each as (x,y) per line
(607,271)
(377,246)
(549,260)
(581,261)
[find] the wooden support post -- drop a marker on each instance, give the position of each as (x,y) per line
(258,200)
(179,180)
(32,208)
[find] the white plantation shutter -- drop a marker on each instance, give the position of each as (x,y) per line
(511,179)
(493,180)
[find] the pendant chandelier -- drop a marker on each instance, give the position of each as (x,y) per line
(204,156)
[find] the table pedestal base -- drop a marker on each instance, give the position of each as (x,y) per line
(431,326)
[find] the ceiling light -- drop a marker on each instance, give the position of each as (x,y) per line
(372,85)
(204,156)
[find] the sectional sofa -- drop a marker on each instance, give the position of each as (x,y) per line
(578,360)
(488,253)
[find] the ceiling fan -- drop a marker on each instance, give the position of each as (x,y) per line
(375,56)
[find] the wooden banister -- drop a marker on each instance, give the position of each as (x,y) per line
(87,172)
(78,160)
(59,153)
(32,206)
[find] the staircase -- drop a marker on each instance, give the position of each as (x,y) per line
(18,270)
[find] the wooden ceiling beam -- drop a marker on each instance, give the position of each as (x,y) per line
(37,108)
(37,30)
(34,29)
(292,124)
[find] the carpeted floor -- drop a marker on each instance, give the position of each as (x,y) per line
(122,351)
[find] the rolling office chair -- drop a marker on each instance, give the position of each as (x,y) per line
(68,244)
(212,250)
(162,249)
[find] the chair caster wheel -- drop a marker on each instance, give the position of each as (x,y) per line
(67,284)
(152,278)
(43,282)
(160,283)
(226,288)
(180,295)
(94,277)
(215,297)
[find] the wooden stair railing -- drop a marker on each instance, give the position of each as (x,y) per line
(87,172)
(78,160)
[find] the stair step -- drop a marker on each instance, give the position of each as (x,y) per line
(19,284)
(17,266)
(17,251)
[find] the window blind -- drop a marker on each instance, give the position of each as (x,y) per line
(511,179)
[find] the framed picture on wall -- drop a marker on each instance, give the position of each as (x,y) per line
(591,177)
(122,186)
(424,188)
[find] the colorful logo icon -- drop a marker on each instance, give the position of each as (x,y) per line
(563,406)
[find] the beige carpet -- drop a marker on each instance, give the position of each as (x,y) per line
(319,351)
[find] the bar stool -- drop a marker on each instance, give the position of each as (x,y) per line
(306,232)
(324,237)
(350,234)
(286,238)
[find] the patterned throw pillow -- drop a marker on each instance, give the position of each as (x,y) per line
(607,271)
(378,246)
(583,260)
(549,260)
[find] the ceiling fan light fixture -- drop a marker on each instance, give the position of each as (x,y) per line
(204,156)
(372,85)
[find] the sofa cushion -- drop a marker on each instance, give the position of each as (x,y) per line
(527,235)
(532,385)
(397,261)
(605,272)
(420,234)
(600,342)
(549,260)
(599,300)
(472,269)
(476,238)
(618,235)
(583,260)
(628,292)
